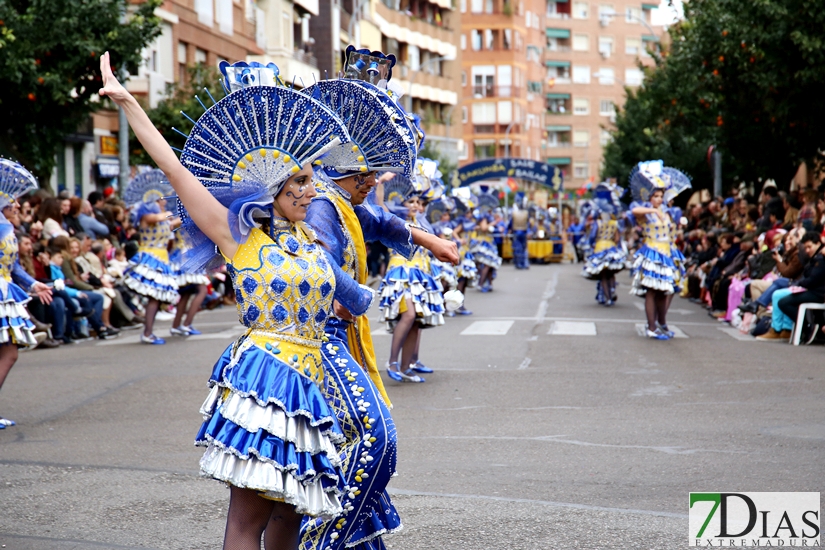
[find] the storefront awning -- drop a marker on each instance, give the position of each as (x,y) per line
(557,63)
(558,161)
(558,96)
(559,128)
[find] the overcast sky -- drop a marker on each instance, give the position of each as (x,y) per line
(666,15)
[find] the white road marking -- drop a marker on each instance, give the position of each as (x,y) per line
(549,292)
(572,328)
(525,363)
(488,328)
(678,333)
(737,334)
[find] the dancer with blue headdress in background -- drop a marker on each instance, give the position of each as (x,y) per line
(410,297)
(482,242)
(607,257)
(678,182)
(16,327)
(384,138)
(244,181)
(654,272)
(192,284)
(150,273)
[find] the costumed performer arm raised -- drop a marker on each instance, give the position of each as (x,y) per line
(268,431)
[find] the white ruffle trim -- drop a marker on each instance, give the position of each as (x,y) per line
(309,499)
(422,300)
(22,336)
(185,279)
(248,414)
(373,536)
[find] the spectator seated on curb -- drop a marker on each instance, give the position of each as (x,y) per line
(809,289)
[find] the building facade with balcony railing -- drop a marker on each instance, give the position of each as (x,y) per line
(502,44)
(591,55)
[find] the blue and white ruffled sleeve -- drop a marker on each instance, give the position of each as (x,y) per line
(355,297)
(390,230)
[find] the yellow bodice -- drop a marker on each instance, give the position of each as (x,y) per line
(154,239)
(482,236)
(8,255)
(606,235)
(657,232)
(420,259)
(284,285)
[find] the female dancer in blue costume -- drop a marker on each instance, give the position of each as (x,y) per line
(654,270)
(268,432)
(411,299)
(607,257)
(353,384)
(484,251)
(677,183)
(16,328)
(192,287)
(149,273)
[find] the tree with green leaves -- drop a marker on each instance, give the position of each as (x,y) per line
(50,68)
(188,97)
(747,77)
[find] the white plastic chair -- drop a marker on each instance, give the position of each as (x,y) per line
(800,320)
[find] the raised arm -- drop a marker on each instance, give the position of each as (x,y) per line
(209,215)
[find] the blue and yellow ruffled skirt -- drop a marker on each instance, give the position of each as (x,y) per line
(652,270)
(15,324)
(149,276)
(403,281)
(613,260)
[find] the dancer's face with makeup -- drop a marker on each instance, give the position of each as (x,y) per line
(656,198)
(413,205)
(296,194)
(358,186)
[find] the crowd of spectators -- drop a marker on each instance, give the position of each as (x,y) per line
(752,261)
(81,247)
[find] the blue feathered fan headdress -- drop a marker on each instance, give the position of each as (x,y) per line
(607,198)
(646,178)
(679,182)
(245,146)
(15,181)
(146,188)
(382,139)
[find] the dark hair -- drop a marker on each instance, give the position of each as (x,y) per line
(95,196)
(753,213)
(97,248)
(810,237)
(50,209)
(727,238)
(770,191)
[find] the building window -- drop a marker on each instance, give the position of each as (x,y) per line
(484,151)
(475,39)
(204,10)
(581,74)
(463,78)
(581,138)
(200,56)
(606,46)
(632,46)
(464,115)
(606,107)
(580,10)
(224,15)
(463,6)
(286,30)
(606,11)
(581,42)
(508,39)
(557,106)
(484,113)
(607,76)
(488,6)
(580,170)
(476,6)
(633,15)
(463,41)
(605,137)
(581,106)
(633,77)
(489,39)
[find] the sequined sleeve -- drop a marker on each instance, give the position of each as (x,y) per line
(20,277)
(356,298)
(379,225)
(323,219)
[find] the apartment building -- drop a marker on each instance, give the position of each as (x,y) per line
(193,31)
(424,37)
(592,52)
(503,73)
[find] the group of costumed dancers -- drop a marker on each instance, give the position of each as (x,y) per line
(658,268)
(272,181)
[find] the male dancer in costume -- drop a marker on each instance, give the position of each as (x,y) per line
(352,382)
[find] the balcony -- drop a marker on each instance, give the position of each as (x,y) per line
(558,145)
(401,25)
(554,15)
(495,129)
(495,91)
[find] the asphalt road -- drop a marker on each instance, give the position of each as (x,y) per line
(562,429)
